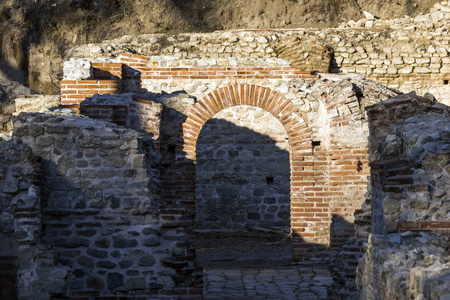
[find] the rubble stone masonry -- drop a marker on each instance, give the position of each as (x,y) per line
(409,158)
(235,130)
(409,54)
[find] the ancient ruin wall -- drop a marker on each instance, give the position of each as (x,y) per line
(101,212)
(332,106)
(405,266)
(409,163)
(16,98)
(20,218)
(405,53)
(409,159)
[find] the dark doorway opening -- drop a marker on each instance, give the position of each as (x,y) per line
(242,190)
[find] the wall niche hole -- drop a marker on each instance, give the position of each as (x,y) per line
(315,144)
(445,81)
(269,179)
(171,149)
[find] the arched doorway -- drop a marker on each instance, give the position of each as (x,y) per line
(306,226)
(242,190)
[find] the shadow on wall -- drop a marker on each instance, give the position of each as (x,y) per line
(95,241)
(243,199)
(89,211)
(242,177)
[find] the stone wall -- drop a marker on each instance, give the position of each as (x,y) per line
(243,172)
(332,105)
(7,108)
(405,53)
(103,224)
(20,222)
(409,162)
(16,98)
(409,158)
(405,266)
(327,145)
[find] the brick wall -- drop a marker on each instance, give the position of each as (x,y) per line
(107,71)
(301,158)
(133,60)
(136,74)
(75,91)
(116,114)
(217,73)
(442,227)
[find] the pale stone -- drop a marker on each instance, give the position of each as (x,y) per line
(422,18)
(392,70)
(351,23)
(369,24)
(437,16)
(423,61)
(262,40)
(422,70)
(409,60)
(380,71)
(377,62)
(406,70)
(368,15)
(442,52)
(398,60)
(348,69)
(445,69)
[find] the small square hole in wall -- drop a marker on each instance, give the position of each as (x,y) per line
(171,149)
(445,81)
(269,179)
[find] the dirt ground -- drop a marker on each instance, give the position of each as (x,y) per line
(231,250)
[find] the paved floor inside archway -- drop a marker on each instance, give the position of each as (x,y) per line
(294,282)
(249,266)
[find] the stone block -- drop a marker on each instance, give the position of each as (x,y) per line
(115,280)
(95,283)
(106,264)
(146,261)
(136,283)
(422,70)
(124,242)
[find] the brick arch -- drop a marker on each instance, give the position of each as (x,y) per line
(304,221)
